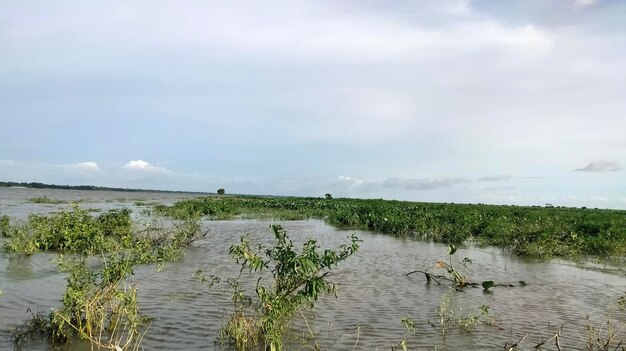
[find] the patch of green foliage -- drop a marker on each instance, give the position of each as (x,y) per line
(5,226)
(528,231)
(71,231)
(98,306)
(298,280)
(159,244)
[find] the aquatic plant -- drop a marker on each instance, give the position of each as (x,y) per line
(5,226)
(73,231)
(100,307)
(45,200)
(608,334)
(298,280)
(528,231)
(451,315)
(78,232)
(458,278)
(410,331)
(159,243)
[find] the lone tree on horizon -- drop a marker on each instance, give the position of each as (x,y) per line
(221,191)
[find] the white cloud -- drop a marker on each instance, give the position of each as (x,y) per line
(87,166)
(8,162)
(600,166)
(497,188)
(423,184)
(584,3)
(138,164)
(398,183)
(496,178)
(145,166)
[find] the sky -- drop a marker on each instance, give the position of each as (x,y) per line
(465,101)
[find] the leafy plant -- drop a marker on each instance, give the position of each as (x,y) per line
(5,226)
(298,280)
(450,314)
(410,331)
(97,306)
(73,231)
(100,306)
(459,279)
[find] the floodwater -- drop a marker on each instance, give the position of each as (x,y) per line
(375,293)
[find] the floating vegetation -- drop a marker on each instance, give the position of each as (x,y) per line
(45,200)
(528,231)
(459,278)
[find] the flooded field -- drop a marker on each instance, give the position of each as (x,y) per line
(375,293)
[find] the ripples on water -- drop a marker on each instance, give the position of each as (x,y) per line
(374,292)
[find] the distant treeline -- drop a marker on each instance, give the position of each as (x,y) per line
(35,185)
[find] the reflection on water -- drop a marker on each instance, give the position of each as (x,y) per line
(375,294)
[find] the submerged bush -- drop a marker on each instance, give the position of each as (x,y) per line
(298,280)
(99,306)
(78,232)
(71,231)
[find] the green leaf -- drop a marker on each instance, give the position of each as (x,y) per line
(488,284)
(451,249)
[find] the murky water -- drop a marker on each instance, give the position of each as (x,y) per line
(375,294)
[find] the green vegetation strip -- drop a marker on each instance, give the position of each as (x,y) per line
(528,231)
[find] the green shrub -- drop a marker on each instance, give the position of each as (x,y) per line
(299,278)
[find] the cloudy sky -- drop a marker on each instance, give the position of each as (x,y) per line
(507,102)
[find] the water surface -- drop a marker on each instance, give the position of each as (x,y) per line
(374,291)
